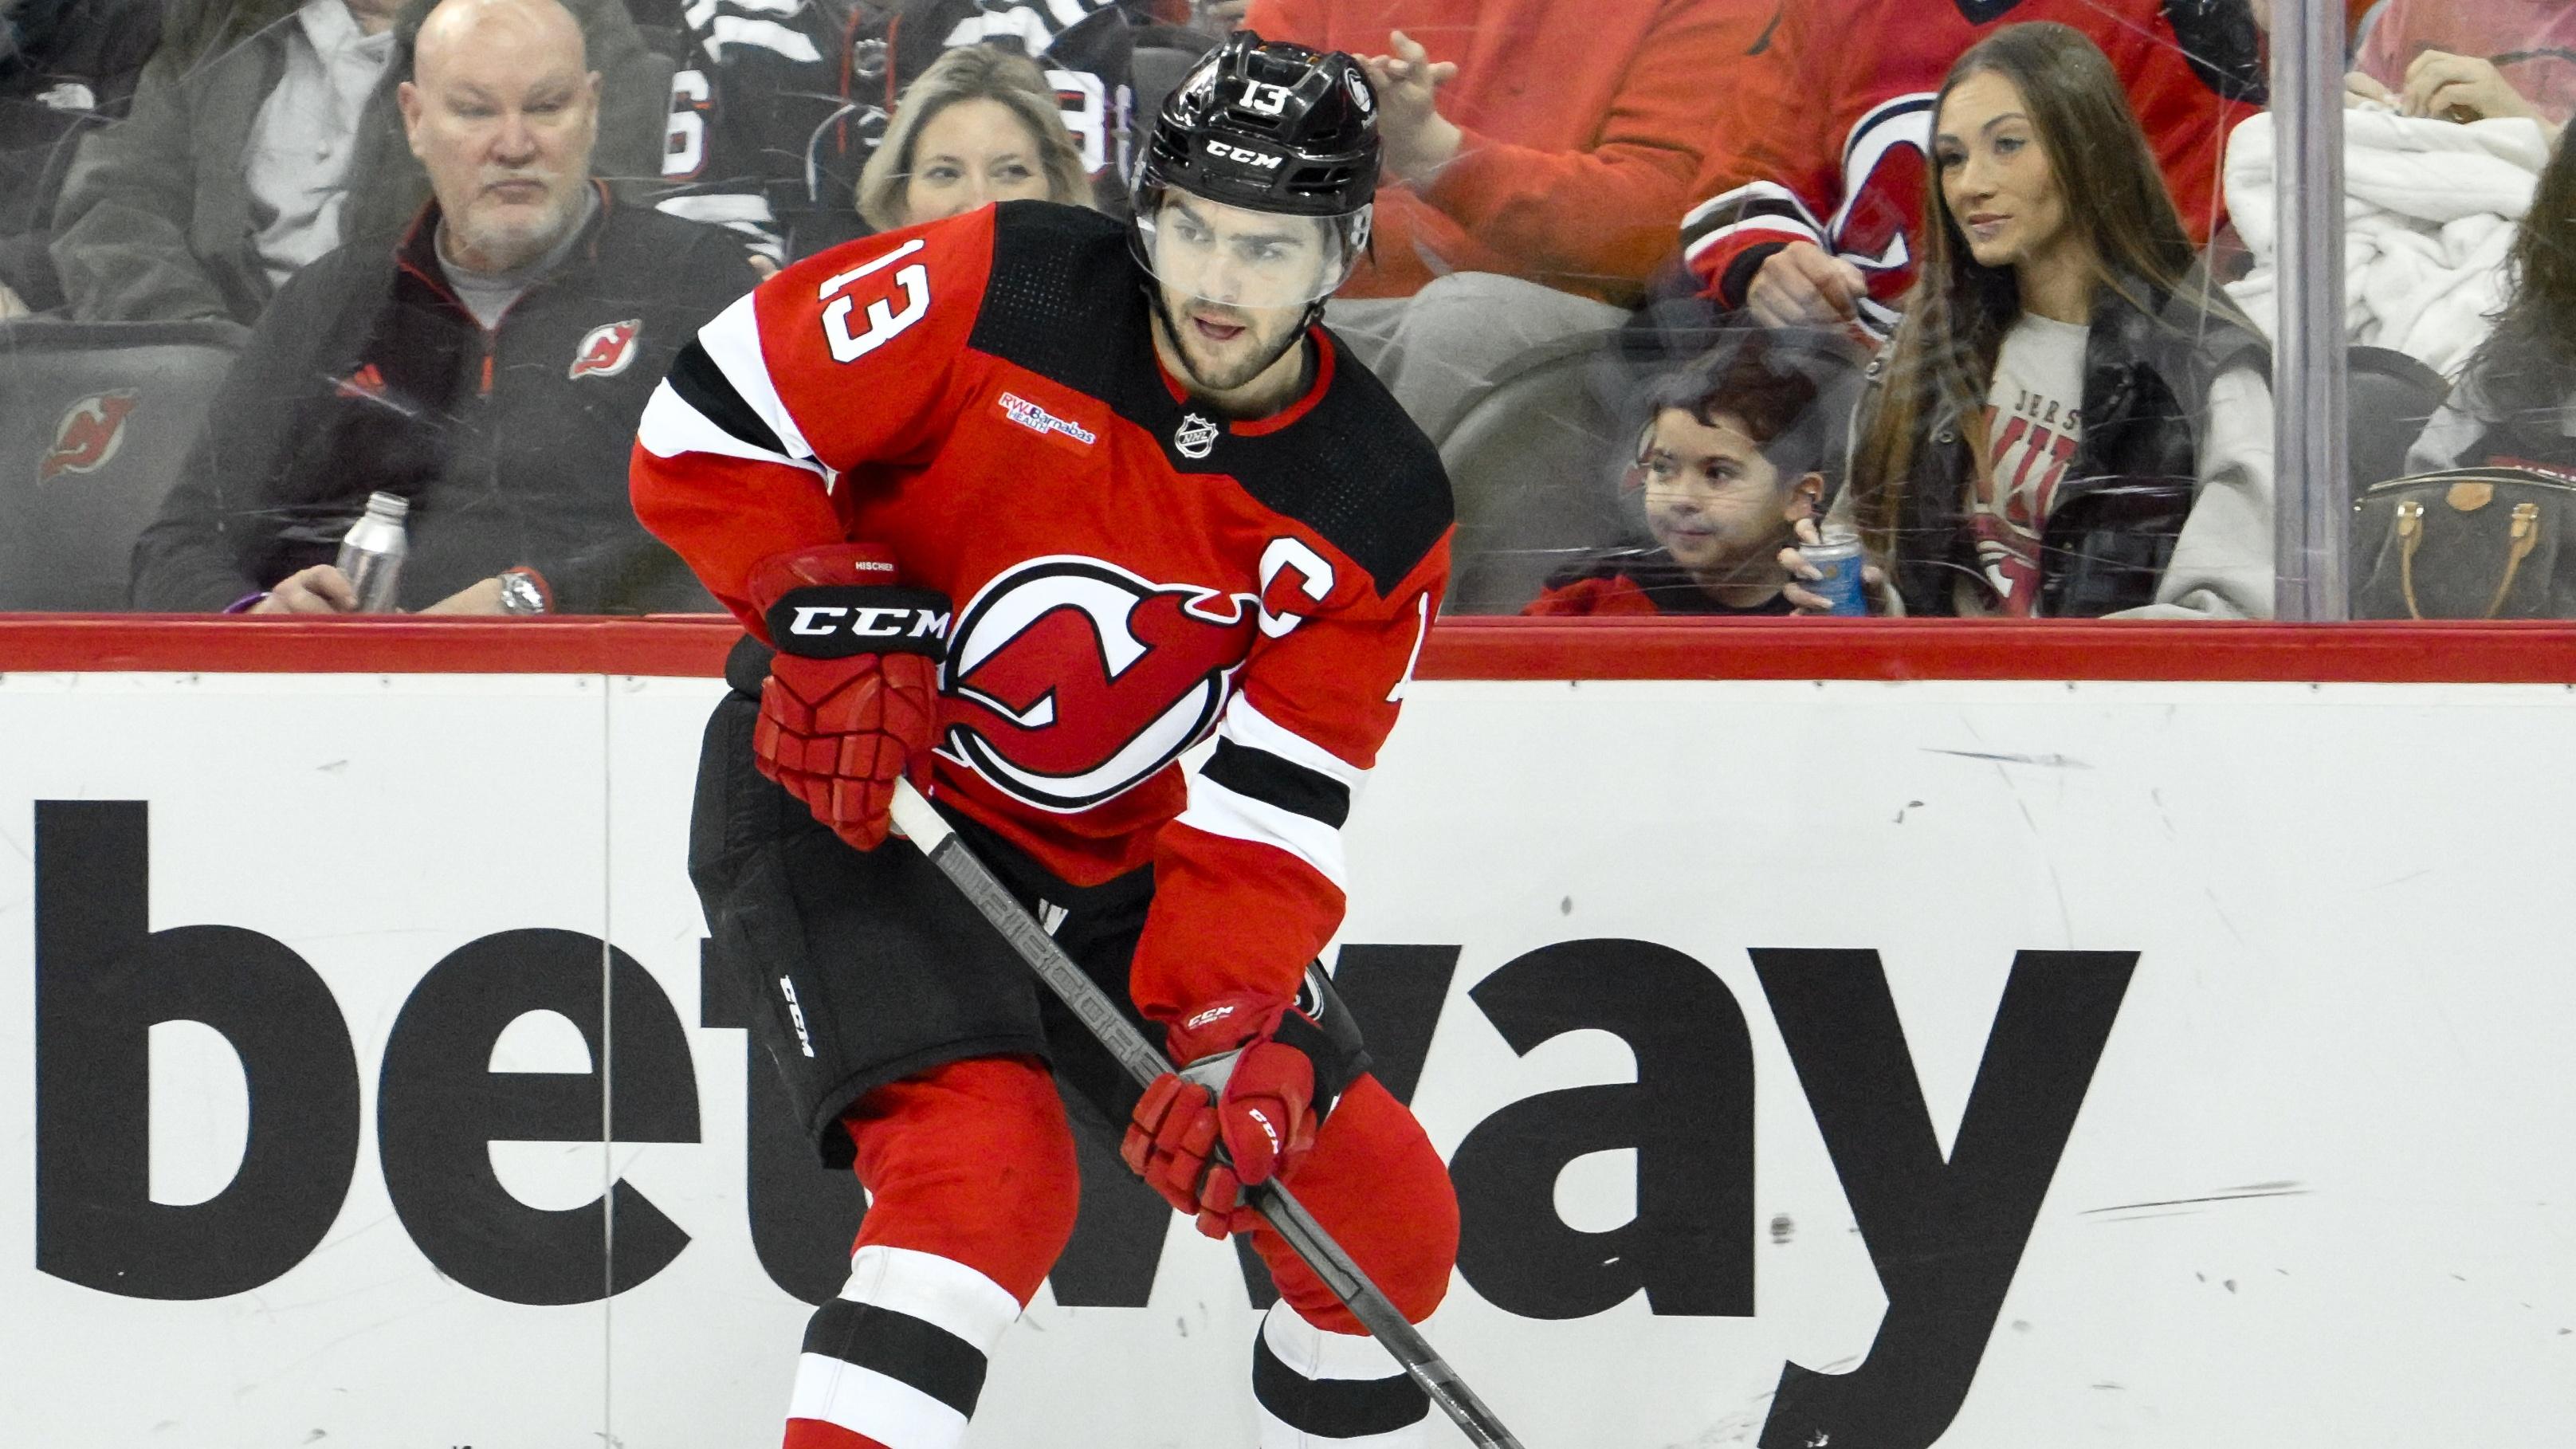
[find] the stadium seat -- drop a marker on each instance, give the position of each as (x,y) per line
(95,422)
(2392,396)
(1535,461)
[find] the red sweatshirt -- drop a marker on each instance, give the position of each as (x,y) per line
(1584,124)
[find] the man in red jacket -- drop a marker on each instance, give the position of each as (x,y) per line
(1538,156)
(1817,177)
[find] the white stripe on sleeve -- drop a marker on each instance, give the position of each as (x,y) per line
(671,427)
(732,341)
(1220,811)
(1252,729)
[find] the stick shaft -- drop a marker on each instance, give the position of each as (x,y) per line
(1376,1312)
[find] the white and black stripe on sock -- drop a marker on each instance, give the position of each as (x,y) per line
(1319,1390)
(899,1356)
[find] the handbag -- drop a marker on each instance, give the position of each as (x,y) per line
(2466,543)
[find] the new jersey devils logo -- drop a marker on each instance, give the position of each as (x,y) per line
(89,434)
(1070,679)
(607,350)
(1884,176)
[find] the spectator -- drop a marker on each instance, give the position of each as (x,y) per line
(1733,456)
(1538,156)
(2472,60)
(2515,404)
(2066,381)
(490,371)
(64,65)
(780,106)
(262,135)
(1219,18)
(1818,186)
(981,125)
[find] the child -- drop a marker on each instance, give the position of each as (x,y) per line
(1732,458)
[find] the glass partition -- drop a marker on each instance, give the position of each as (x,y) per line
(1707,308)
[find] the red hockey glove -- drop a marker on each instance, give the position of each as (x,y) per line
(851,702)
(1238,1085)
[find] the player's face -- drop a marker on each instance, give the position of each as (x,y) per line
(1996,178)
(502,116)
(1712,500)
(967,154)
(1236,284)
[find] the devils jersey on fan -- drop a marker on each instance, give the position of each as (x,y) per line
(1830,127)
(1128,570)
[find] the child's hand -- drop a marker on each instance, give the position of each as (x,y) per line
(1795,565)
(1809,603)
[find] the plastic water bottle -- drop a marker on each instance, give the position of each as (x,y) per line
(372,554)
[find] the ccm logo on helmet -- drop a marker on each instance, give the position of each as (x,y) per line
(1224,152)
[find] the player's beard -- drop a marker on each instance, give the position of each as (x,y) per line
(1256,352)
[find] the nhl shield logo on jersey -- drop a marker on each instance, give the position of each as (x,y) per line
(90,433)
(607,350)
(1070,680)
(1195,438)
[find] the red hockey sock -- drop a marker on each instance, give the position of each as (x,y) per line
(972,1186)
(972,1161)
(1378,1186)
(816,1434)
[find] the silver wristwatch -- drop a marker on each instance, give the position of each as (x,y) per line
(520,595)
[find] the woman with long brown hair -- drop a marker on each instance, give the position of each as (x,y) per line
(2516,398)
(2070,420)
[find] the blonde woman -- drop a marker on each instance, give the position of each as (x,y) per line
(980,125)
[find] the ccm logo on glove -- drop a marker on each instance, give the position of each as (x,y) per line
(852,699)
(837,621)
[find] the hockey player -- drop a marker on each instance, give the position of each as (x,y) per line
(1810,210)
(1029,501)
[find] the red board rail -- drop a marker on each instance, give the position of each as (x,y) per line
(1459,648)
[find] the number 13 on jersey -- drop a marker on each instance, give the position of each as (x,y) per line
(884,320)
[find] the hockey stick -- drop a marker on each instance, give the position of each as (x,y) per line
(931,832)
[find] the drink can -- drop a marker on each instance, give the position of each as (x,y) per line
(1838,558)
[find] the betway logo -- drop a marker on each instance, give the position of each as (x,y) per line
(1038,420)
(1944,1232)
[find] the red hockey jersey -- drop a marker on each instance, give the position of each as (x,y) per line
(1129,571)
(1826,143)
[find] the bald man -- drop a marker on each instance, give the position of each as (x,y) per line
(265,132)
(490,368)
(502,113)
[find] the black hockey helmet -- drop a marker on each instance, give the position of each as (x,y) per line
(1268,126)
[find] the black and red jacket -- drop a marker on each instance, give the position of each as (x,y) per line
(366,374)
